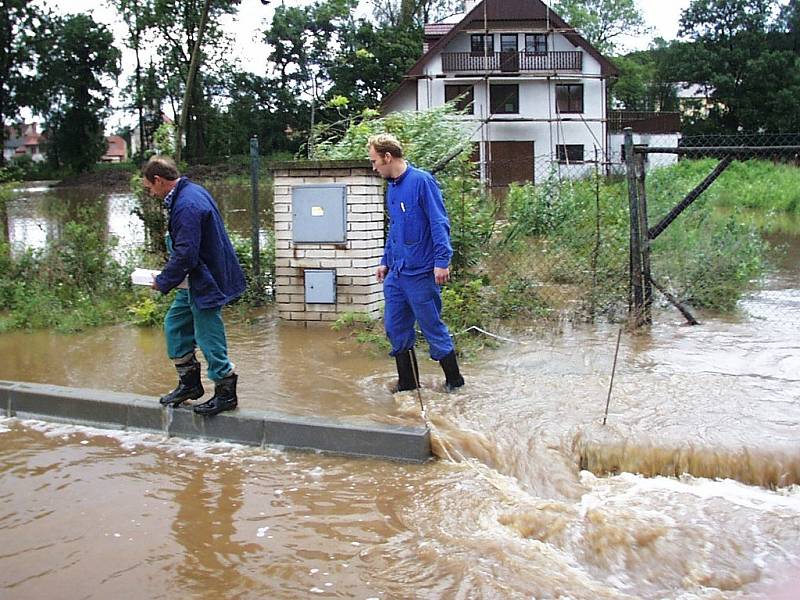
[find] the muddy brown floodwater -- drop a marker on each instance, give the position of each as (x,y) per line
(691,490)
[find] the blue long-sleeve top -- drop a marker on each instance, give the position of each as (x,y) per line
(419,230)
(200,249)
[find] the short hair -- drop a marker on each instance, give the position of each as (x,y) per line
(161,166)
(386,142)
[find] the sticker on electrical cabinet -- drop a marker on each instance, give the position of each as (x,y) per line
(317,211)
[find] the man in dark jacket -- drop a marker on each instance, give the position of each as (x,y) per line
(203,265)
(416,261)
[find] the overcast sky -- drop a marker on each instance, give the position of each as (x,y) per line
(660,15)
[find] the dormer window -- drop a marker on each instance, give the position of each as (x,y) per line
(482,44)
(536,43)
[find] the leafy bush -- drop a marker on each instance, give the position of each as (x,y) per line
(72,284)
(256,290)
(150,309)
(463,305)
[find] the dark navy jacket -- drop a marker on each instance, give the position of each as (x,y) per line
(200,248)
(419,230)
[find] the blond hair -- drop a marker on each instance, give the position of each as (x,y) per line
(386,142)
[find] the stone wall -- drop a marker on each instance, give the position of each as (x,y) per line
(354,260)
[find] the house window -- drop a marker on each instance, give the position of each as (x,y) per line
(504,99)
(482,43)
(569,98)
(508,42)
(536,43)
(569,153)
(463,96)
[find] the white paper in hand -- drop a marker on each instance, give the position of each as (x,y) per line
(146,276)
(143,276)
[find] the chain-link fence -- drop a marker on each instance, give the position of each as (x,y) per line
(577,244)
(700,230)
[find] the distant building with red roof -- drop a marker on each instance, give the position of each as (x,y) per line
(22,140)
(117,150)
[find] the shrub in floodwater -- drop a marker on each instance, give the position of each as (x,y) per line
(150,309)
(576,246)
(364,329)
(754,184)
(256,290)
(72,284)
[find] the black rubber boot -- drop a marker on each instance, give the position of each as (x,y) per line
(407,371)
(452,375)
(189,385)
(224,397)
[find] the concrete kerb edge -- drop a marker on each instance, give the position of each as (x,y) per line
(131,412)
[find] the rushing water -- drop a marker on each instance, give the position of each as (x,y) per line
(539,499)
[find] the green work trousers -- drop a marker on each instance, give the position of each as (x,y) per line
(187,327)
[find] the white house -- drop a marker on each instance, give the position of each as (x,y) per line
(136,135)
(537,89)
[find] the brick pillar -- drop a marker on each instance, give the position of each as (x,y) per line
(353,260)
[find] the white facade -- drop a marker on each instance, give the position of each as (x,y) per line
(569,141)
(652,161)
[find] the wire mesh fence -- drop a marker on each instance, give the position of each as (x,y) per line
(560,246)
(708,219)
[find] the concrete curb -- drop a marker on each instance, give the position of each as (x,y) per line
(131,412)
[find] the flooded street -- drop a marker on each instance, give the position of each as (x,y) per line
(540,501)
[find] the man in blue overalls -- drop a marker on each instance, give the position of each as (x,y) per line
(416,261)
(199,248)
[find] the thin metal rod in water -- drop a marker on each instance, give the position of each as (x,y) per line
(613,370)
(416,381)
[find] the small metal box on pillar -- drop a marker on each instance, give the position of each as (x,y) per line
(329,236)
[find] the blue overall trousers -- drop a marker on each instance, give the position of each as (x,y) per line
(410,298)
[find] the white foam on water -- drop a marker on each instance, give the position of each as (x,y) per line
(729,490)
(130,440)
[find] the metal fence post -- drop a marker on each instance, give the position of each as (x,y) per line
(254,213)
(646,316)
(636,299)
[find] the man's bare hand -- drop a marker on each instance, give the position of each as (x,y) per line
(380,273)
(441,276)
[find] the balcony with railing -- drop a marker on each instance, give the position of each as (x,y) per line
(512,62)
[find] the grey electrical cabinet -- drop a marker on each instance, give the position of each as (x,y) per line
(319,213)
(320,286)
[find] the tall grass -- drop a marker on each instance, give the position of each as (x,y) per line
(570,238)
(754,184)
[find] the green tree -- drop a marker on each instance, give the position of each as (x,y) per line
(371,63)
(753,77)
(644,82)
(341,64)
(74,73)
(175,25)
(255,106)
(22,25)
(789,23)
(602,22)
(131,12)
